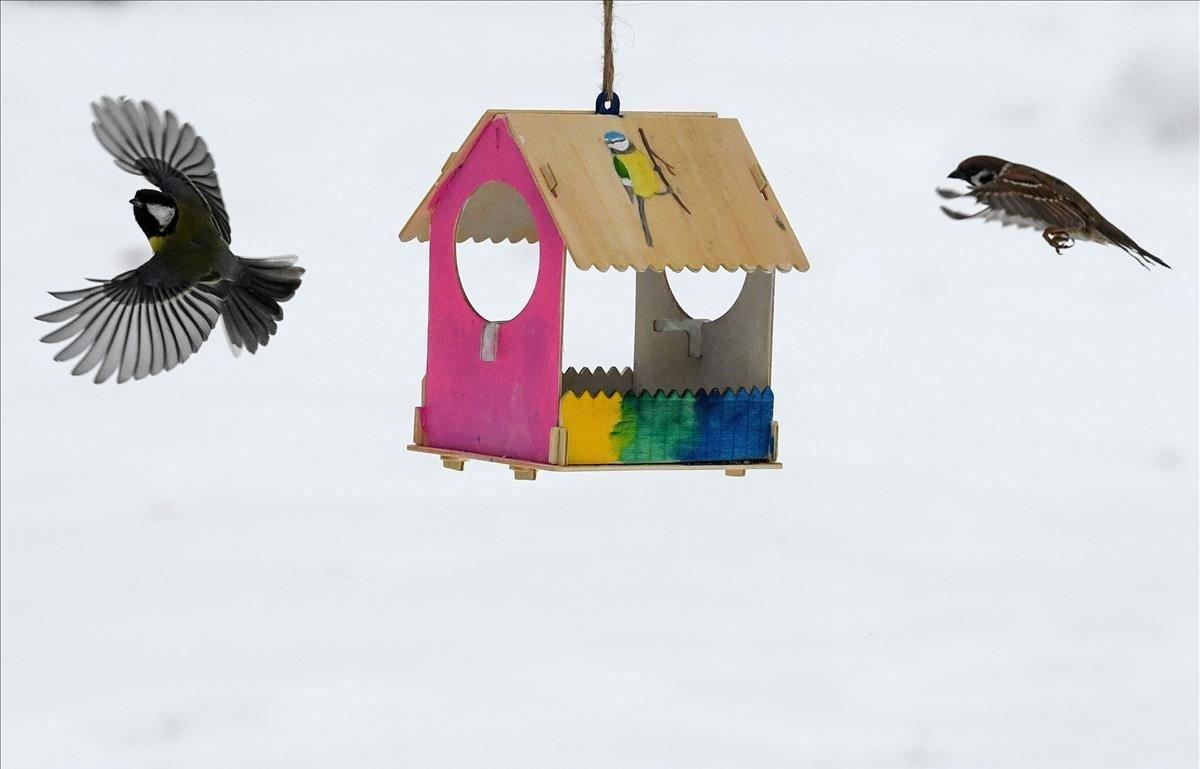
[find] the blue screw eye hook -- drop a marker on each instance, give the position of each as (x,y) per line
(606,107)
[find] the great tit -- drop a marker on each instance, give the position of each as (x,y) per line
(152,318)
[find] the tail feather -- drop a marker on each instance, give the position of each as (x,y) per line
(1119,239)
(641,203)
(251,308)
(1139,252)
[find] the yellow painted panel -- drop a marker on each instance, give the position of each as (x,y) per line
(589,421)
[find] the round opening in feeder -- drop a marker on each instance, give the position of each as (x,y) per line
(497,262)
(706,295)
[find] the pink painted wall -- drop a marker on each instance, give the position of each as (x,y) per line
(504,407)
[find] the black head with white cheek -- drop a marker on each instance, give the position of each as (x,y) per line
(978,170)
(155,212)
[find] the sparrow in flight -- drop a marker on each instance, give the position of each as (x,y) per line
(1024,196)
(150,319)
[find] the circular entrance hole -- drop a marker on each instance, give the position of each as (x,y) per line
(497,278)
(706,295)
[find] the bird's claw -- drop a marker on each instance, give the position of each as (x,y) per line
(1058,240)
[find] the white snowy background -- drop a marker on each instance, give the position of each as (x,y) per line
(982,551)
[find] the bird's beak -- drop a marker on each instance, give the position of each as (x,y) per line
(956,174)
(136,203)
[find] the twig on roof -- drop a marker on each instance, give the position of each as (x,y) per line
(655,159)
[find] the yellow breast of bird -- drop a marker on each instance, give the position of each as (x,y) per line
(646,183)
(156,242)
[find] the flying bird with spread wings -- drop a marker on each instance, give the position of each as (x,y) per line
(150,319)
(1026,197)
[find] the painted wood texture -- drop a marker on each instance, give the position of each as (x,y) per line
(651,428)
(496,212)
(597,380)
(735,349)
(504,407)
(733,223)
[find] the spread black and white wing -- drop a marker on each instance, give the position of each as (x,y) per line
(140,323)
(1020,198)
(157,146)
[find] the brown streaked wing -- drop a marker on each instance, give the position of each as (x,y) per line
(1021,193)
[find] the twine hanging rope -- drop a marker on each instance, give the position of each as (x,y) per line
(608,50)
(608,103)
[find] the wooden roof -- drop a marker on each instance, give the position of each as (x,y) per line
(734,223)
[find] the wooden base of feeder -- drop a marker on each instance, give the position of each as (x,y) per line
(524,470)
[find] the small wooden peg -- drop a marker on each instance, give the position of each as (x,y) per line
(453,462)
(693,327)
(489,340)
(735,472)
(760,179)
(558,446)
(418,430)
(524,473)
(549,178)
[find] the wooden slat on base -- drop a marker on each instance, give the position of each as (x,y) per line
(516,464)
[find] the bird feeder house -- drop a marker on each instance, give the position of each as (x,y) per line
(650,191)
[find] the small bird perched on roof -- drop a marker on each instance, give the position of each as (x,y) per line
(1027,197)
(150,319)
